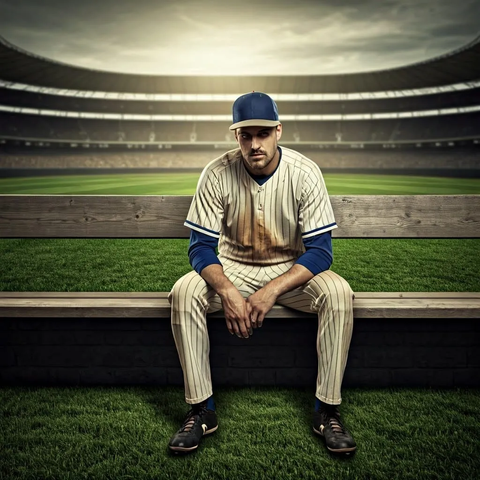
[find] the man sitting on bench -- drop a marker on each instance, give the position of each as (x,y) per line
(268,211)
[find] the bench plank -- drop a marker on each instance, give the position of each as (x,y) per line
(155,305)
(373,295)
(155,216)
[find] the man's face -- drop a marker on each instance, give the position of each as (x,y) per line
(259,148)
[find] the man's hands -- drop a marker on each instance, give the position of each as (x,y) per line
(237,313)
(242,315)
(261,302)
(236,309)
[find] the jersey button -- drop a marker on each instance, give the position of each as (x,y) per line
(260,207)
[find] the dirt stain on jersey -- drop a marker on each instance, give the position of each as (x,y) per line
(257,240)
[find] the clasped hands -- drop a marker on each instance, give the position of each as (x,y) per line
(242,315)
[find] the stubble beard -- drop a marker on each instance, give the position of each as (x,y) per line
(259,164)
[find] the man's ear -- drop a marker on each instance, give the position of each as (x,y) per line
(278,131)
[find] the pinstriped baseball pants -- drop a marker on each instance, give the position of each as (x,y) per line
(327,293)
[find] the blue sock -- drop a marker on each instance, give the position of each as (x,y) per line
(210,403)
(318,404)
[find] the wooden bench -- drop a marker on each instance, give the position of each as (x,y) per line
(105,216)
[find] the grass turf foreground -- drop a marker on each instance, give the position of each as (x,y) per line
(122,433)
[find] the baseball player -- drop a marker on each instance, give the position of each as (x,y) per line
(267,210)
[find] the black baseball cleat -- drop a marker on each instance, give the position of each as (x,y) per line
(198,422)
(327,423)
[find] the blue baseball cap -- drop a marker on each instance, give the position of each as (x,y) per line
(254,109)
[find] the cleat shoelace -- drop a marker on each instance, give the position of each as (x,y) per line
(190,418)
(333,418)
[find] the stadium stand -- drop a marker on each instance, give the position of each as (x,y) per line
(437,100)
(463,162)
(80,103)
(420,129)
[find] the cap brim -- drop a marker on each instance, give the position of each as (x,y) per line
(255,123)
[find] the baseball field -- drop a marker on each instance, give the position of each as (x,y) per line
(122,432)
(184,184)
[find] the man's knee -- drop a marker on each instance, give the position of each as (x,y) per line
(332,289)
(186,289)
(342,288)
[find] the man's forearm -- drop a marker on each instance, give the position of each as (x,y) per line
(214,276)
(263,300)
(293,278)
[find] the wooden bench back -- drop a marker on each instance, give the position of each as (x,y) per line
(155,216)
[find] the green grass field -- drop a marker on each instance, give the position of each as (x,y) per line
(185,183)
(154,265)
(264,433)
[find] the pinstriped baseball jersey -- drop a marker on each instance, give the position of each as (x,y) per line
(261,224)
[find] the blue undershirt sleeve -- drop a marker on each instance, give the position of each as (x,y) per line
(318,255)
(201,251)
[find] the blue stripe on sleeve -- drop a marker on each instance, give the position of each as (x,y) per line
(319,255)
(318,231)
(199,228)
(201,251)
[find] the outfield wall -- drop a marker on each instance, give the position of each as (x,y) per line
(431,158)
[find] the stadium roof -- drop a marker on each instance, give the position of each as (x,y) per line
(459,66)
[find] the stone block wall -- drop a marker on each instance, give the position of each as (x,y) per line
(383,353)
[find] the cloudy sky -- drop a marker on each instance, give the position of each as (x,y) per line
(210,37)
